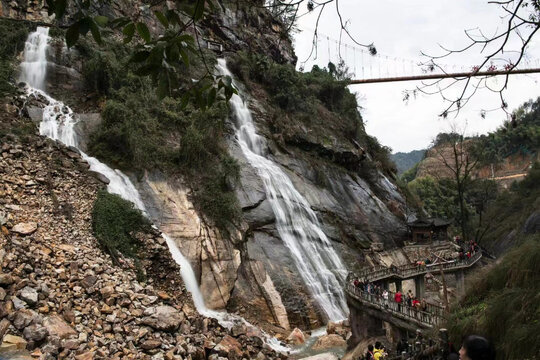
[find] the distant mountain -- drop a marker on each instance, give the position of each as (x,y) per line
(405,161)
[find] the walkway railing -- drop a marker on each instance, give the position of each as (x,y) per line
(412,270)
(433,314)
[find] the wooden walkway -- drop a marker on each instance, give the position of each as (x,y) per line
(413,270)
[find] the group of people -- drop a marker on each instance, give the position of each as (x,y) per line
(408,302)
(375,352)
(472,249)
(474,347)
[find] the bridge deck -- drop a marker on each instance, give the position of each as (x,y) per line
(426,319)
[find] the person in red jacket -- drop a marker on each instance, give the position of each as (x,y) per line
(398,299)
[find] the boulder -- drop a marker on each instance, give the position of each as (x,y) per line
(164,318)
(35,333)
(29,295)
(25,228)
(329,341)
(4,326)
(296,337)
(150,344)
(35,113)
(228,345)
(25,317)
(340,328)
(239,329)
(5,280)
(12,342)
(88,281)
(58,327)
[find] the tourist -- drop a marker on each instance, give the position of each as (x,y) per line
(416,306)
(402,346)
(356,282)
(383,352)
(369,354)
(423,309)
(409,298)
(419,337)
(385,298)
(378,351)
(398,299)
(475,347)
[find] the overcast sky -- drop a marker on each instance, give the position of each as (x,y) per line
(402,29)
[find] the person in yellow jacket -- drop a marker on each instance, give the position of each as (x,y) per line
(378,351)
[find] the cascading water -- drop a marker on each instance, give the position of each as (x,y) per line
(298,226)
(34,65)
(58,124)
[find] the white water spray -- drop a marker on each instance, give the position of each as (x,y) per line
(58,124)
(34,65)
(298,226)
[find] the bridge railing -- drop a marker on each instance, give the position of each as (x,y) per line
(433,314)
(411,270)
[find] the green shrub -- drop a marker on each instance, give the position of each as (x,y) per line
(115,223)
(12,38)
(504,304)
(141,132)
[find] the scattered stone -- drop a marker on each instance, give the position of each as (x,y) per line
(150,344)
(18,303)
(107,291)
(239,329)
(89,355)
(5,280)
(164,318)
(329,341)
(25,317)
(12,342)
(296,337)
(25,228)
(228,345)
(4,325)
(29,295)
(58,327)
(35,333)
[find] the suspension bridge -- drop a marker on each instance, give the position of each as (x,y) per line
(366,68)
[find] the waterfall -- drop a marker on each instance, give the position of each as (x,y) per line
(58,124)
(318,263)
(34,65)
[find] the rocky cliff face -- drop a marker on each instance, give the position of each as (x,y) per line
(250,270)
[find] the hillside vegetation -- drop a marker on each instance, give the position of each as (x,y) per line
(433,183)
(407,160)
(503,303)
